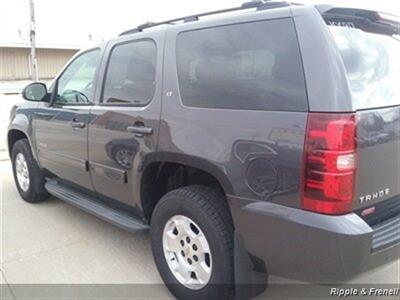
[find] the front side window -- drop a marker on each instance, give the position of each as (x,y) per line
(130,77)
(75,86)
(254,66)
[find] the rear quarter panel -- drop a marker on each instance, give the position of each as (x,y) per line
(327,85)
(259,152)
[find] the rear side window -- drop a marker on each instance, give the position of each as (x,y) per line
(130,76)
(372,63)
(255,66)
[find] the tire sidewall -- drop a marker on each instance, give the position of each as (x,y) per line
(36,191)
(221,260)
(16,150)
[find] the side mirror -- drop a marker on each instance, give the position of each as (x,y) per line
(35,91)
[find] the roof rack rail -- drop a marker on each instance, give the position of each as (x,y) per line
(258,4)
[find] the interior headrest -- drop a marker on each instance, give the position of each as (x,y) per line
(208,70)
(282,69)
(140,70)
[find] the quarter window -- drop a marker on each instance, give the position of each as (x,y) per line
(130,77)
(253,66)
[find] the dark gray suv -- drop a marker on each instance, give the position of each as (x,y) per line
(253,140)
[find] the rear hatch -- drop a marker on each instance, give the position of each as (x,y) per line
(370,47)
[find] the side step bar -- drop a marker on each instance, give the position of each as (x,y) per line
(119,218)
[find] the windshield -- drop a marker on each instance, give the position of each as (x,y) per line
(372,63)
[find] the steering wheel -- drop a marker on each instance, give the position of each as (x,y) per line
(88,87)
(79,96)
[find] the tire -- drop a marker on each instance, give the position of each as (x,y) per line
(34,191)
(208,210)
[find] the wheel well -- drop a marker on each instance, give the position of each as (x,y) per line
(13,136)
(161,177)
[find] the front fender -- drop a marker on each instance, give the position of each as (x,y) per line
(21,121)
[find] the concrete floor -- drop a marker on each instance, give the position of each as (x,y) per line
(53,242)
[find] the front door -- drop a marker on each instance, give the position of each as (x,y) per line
(124,126)
(61,127)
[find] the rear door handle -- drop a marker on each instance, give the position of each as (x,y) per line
(140,130)
(77,125)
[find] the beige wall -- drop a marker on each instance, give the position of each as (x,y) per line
(14,62)
(51,61)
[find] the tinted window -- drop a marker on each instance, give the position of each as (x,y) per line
(130,74)
(372,63)
(243,66)
(75,85)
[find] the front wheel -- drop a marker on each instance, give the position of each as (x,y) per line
(192,242)
(28,177)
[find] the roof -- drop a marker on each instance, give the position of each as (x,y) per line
(370,20)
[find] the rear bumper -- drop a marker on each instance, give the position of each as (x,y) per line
(308,246)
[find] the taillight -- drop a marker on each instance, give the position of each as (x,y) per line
(330,154)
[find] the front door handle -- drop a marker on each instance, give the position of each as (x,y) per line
(140,130)
(44,115)
(78,125)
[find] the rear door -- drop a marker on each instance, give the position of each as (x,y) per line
(61,127)
(124,126)
(372,63)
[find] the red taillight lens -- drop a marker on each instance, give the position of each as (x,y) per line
(329,163)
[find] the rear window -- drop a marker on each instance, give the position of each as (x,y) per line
(372,63)
(254,66)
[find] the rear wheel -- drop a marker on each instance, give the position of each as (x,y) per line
(28,177)
(192,242)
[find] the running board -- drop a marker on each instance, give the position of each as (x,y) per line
(87,203)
